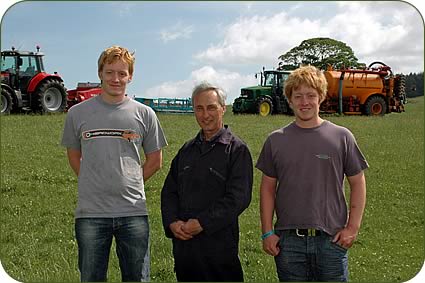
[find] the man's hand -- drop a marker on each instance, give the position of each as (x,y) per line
(192,227)
(176,228)
(346,237)
(271,245)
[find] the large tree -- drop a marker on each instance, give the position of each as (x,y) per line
(320,52)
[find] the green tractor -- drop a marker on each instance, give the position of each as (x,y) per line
(266,98)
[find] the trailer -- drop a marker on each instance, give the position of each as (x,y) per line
(168,105)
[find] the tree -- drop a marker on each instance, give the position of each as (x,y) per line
(320,52)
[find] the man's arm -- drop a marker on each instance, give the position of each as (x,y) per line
(153,162)
(170,204)
(74,159)
(238,189)
(267,202)
(348,235)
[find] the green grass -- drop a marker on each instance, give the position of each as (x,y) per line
(38,198)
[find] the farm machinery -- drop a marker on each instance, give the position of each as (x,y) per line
(374,90)
(26,86)
(169,105)
(83,92)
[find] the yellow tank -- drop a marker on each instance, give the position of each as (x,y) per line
(356,83)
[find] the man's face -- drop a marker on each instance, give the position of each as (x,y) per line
(208,112)
(115,77)
(305,103)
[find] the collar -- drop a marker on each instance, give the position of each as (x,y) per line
(224,136)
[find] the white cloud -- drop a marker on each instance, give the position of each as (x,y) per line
(176,32)
(259,38)
(387,31)
(230,82)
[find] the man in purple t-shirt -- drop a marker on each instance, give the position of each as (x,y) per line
(304,165)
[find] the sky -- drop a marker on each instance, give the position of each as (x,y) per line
(180,43)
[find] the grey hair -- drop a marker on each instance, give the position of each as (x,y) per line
(206,86)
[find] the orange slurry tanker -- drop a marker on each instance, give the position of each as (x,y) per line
(369,91)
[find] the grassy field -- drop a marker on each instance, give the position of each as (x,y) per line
(38,197)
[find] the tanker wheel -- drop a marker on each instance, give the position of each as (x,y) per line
(50,97)
(6,102)
(375,106)
(265,107)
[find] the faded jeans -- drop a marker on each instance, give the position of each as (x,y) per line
(94,238)
(310,258)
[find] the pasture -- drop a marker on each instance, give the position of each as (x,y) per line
(39,191)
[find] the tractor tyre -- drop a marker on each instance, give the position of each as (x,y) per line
(6,102)
(265,107)
(375,106)
(400,88)
(50,97)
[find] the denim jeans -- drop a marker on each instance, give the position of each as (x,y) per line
(310,258)
(94,238)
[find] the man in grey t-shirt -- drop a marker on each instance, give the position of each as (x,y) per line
(103,137)
(304,165)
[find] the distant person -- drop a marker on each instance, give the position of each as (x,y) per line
(103,137)
(208,186)
(303,166)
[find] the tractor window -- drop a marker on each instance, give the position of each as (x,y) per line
(8,64)
(269,79)
(282,79)
(28,68)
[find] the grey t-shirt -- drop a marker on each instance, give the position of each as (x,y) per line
(310,165)
(110,182)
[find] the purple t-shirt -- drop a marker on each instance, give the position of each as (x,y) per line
(309,165)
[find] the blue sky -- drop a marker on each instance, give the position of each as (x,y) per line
(180,43)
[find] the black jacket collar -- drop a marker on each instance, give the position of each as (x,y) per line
(223,136)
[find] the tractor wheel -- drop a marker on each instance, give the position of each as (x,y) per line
(400,88)
(50,97)
(6,102)
(375,105)
(265,107)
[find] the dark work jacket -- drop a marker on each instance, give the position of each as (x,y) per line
(212,182)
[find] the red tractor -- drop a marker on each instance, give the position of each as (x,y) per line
(26,86)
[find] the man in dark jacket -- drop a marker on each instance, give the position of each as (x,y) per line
(209,185)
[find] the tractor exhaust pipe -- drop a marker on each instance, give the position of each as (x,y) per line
(341,80)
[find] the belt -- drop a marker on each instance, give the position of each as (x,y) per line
(307,232)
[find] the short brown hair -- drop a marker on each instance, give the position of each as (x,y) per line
(309,76)
(115,53)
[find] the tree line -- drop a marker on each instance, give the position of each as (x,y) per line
(415,84)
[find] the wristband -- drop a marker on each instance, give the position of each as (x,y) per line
(267,234)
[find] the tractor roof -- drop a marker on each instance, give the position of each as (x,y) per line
(278,71)
(20,53)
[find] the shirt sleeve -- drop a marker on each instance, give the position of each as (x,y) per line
(265,160)
(154,138)
(354,161)
(70,137)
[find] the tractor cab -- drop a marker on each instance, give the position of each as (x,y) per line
(275,80)
(19,67)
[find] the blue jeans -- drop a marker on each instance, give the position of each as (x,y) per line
(310,258)
(94,238)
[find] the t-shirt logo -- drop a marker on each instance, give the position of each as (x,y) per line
(129,135)
(323,156)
